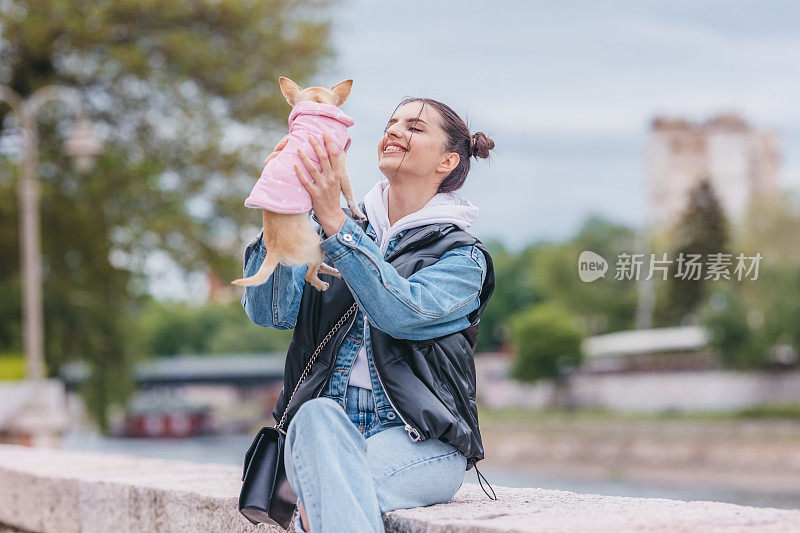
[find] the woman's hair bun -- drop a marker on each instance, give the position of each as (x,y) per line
(480,144)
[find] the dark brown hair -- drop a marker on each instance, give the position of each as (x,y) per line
(459,140)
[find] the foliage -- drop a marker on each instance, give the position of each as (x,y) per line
(546,341)
(547,272)
(771,227)
(165,83)
(513,291)
(738,345)
(703,229)
(601,306)
(747,327)
(781,411)
(755,323)
(12,366)
(170,328)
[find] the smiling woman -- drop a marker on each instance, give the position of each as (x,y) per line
(430,134)
(386,417)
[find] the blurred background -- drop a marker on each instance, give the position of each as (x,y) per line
(131,132)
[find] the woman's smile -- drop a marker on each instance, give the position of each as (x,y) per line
(393,148)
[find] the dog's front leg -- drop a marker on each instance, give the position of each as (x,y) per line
(311,277)
(347,190)
(325,268)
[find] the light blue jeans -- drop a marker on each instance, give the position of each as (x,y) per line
(347,469)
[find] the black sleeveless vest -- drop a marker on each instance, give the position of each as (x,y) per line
(430,383)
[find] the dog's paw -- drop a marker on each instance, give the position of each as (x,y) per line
(335,272)
(321,286)
(356,212)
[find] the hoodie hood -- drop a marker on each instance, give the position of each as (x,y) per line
(442,208)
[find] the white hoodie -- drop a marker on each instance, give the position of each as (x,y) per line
(442,208)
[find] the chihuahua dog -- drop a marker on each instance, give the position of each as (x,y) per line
(285,204)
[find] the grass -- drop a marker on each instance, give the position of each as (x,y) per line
(12,366)
(791,411)
(774,411)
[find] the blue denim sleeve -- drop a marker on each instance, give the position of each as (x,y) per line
(432,302)
(276,303)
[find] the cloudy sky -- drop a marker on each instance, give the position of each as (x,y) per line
(566,90)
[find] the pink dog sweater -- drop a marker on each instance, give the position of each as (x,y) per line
(279,189)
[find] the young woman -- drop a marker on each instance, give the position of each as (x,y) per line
(386,417)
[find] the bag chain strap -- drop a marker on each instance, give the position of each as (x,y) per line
(314,358)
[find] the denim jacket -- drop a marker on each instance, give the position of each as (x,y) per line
(432,302)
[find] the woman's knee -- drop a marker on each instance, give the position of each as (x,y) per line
(317,407)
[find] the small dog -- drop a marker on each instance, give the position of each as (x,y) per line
(285,204)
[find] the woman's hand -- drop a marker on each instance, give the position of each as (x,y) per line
(326,187)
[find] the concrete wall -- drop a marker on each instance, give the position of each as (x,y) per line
(56,491)
(686,390)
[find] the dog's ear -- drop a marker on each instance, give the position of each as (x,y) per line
(290,90)
(342,91)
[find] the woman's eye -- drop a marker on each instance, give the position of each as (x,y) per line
(415,129)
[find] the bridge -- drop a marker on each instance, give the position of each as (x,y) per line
(235,369)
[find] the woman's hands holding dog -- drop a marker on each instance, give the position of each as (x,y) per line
(326,187)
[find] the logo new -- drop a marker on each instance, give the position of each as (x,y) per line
(591,266)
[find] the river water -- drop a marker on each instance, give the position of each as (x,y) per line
(230,449)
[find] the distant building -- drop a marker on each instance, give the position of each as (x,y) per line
(657,349)
(739,162)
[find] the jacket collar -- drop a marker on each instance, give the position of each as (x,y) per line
(413,237)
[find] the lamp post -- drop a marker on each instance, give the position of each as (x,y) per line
(82,146)
(40,417)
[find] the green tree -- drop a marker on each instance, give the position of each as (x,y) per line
(513,291)
(703,229)
(770,227)
(182,93)
(169,328)
(546,341)
(601,306)
(739,340)
(547,272)
(752,321)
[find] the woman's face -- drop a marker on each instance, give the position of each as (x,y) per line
(415,139)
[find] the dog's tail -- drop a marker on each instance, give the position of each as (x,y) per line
(267,268)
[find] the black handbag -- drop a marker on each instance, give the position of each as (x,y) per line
(266,496)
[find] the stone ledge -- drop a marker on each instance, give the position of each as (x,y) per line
(58,491)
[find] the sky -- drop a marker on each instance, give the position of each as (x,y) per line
(566,90)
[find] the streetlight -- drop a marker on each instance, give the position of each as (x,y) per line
(82,146)
(40,418)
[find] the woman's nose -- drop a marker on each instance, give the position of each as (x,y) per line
(393,131)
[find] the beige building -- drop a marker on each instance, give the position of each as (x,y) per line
(739,161)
